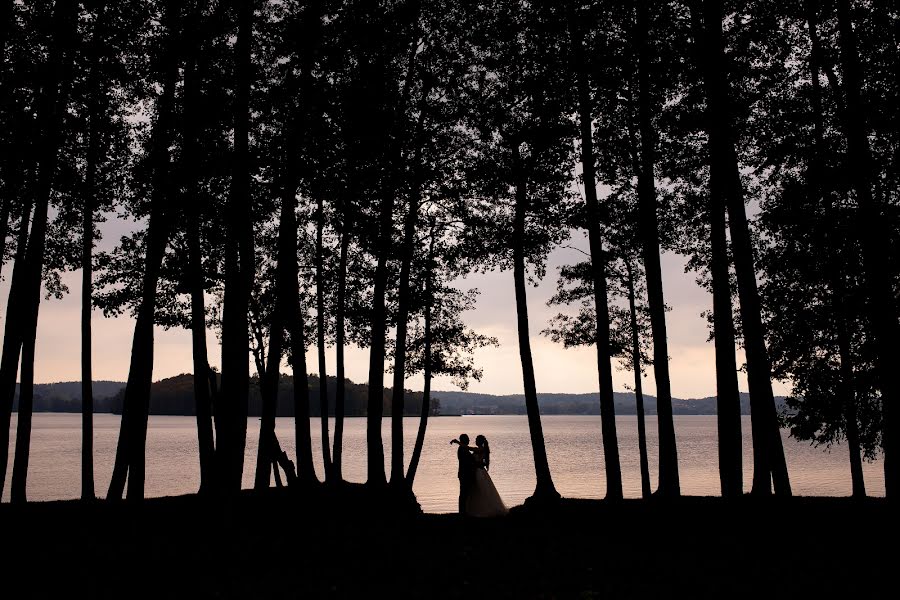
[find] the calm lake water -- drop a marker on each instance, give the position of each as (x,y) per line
(573,444)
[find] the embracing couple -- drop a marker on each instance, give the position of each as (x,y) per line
(477,495)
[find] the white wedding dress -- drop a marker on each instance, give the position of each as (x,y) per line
(484,500)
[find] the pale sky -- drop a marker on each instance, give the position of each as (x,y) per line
(557,369)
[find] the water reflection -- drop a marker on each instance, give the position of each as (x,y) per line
(574,450)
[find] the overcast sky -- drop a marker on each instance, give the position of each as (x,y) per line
(557,369)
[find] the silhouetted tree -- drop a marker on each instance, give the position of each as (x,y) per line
(598,267)
(439,343)
(53,100)
(197,23)
(669,483)
(879,280)
(728,411)
(517,109)
(768,453)
(130,451)
(240,267)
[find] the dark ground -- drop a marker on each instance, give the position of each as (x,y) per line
(279,546)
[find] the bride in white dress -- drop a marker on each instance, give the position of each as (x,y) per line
(484,500)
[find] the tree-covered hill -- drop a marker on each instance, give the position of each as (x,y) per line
(174,396)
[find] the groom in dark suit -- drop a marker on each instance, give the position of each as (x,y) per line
(466,472)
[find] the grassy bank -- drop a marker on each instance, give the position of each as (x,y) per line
(322,545)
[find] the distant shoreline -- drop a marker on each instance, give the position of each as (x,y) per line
(174,396)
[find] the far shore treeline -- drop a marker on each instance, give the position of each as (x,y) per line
(299,177)
(174,396)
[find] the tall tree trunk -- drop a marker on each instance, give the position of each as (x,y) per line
(97,107)
(769,461)
(130,451)
(12,339)
(87,246)
(848,393)
(310,42)
(426,392)
(196,279)
(23,430)
(669,482)
(239,270)
(598,274)
(873,234)
(728,398)
(340,384)
(320,338)
(837,265)
(306,473)
(544,490)
(287,253)
(399,392)
(52,107)
(374,446)
(638,384)
(395,135)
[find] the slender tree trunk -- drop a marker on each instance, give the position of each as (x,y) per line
(239,270)
(12,339)
(375,408)
(320,330)
(837,266)
(310,40)
(728,398)
(26,384)
(23,430)
(873,234)
(426,392)
(375,449)
(545,490)
(378,326)
(407,253)
(669,482)
(638,385)
(395,133)
(97,107)
(848,393)
(399,392)
(87,246)
(130,456)
(769,461)
(306,473)
(340,384)
(196,278)
(598,272)
(759,371)
(52,106)
(130,451)
(287,254)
